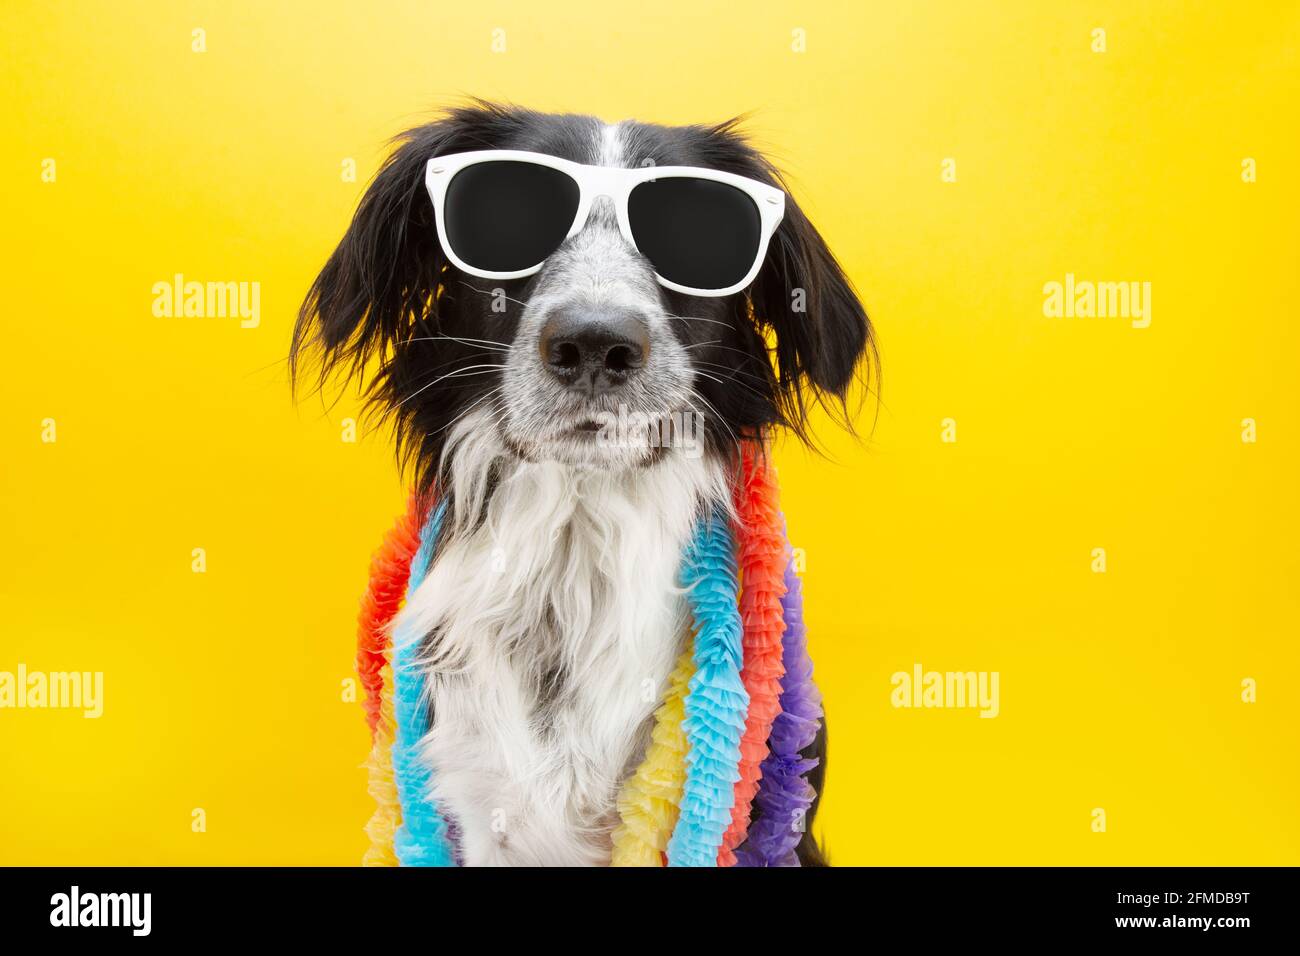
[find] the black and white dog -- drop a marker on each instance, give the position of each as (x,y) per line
(553,611)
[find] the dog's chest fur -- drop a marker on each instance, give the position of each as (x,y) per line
(553,626)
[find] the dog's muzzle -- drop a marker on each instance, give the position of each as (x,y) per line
(594,352)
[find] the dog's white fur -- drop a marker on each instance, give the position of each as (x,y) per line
(556,616)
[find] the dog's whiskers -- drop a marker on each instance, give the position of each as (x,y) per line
(493,292)
(479,403)
(695,393)
(459,373)
(736,371)
(500,346)
(697,318)
(716,343)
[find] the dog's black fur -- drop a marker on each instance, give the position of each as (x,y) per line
(388,289)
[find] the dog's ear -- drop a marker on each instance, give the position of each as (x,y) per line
(822,334)
(382,280)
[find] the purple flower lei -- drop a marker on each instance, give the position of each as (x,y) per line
(784,795)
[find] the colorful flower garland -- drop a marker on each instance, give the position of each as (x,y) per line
(763,564)
(647,807)
(716,702)
(389,572)
(421,839)
(740,705)
(785,796)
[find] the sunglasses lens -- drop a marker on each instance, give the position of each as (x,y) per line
(695,232)
(506,216)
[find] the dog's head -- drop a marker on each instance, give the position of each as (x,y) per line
(591,360)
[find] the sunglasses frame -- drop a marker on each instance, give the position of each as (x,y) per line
(614,182)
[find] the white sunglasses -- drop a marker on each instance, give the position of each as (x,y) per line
(502,212)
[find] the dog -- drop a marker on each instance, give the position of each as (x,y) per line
(554,598)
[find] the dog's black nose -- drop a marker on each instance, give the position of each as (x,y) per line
(594,351)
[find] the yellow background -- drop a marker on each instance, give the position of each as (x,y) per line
(1118,690)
